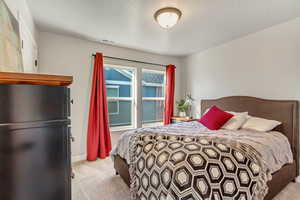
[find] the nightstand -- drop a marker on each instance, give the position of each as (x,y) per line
(177,119)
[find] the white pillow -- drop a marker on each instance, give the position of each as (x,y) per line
(260,124)
(236,121)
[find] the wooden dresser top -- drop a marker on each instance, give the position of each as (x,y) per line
(35,79)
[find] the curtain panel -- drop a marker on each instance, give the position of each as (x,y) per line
(170,89)
(98,140)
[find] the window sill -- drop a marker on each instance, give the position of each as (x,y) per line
(152,124)
(121,128)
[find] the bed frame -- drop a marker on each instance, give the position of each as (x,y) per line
(285,111)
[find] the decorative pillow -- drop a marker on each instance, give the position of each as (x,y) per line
(260,124)
(215,118)
(236,121)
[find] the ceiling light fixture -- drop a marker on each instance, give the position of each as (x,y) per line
(167,17)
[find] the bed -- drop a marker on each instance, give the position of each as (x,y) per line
(285,111)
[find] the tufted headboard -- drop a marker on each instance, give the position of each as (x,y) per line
(285,111)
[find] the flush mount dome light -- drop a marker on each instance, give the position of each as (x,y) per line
(167,17)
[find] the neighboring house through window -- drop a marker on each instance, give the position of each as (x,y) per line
(112,91)
(121,86)
(153,97)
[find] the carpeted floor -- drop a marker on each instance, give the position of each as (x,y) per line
(97,181)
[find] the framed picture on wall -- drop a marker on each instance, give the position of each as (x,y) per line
(10,42)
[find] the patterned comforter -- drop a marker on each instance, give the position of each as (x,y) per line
(187,161)
(186,167)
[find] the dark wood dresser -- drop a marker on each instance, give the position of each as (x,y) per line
(35,157)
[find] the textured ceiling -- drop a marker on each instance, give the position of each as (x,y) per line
(130,23)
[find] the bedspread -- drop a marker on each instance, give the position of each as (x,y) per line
(170,167)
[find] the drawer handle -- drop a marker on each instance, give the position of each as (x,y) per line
(72,101)
(72,139)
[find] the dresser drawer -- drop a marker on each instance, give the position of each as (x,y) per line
(35,162)
(28,103)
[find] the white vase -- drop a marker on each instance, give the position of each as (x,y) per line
(182,114)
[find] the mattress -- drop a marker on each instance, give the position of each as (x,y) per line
(273,146)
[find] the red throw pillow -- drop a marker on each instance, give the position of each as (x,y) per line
(215,118)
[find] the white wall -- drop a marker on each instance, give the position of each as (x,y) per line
(66,55)
(28,31)
(264,64)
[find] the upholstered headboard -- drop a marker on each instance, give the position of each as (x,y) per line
(285,111)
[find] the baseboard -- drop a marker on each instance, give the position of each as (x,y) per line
(297,180)
(78,158)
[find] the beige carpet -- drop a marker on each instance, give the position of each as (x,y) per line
(97,181)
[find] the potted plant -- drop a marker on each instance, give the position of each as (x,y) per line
(184,105)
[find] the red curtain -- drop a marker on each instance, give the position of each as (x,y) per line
(98,140)
(170,88)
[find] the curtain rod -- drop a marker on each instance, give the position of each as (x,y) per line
(136,61)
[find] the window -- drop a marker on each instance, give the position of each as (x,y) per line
(123,90)
(153,97)
(120,95)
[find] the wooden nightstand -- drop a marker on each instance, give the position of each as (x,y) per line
(177,119)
